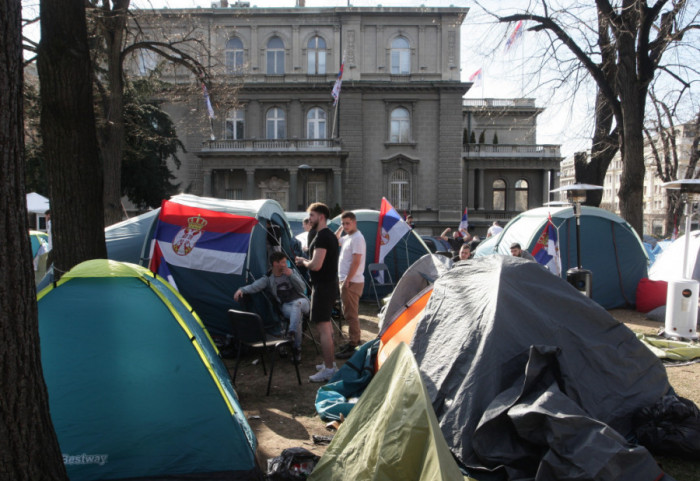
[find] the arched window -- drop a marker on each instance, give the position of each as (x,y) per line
(400,189)
(235,125)
(316,54)
(316,123)
(275,123)
(275,56)
(400,56)
(400,130)
(521,195)
(499,194)
(234,55)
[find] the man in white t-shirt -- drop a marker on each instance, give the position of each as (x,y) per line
(303,238)
(351,266)
(495,229)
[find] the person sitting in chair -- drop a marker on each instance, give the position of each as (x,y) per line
(287,288)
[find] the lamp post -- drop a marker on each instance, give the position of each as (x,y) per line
(304,169)
(578,277)
(682,294)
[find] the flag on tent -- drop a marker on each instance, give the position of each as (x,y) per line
(546,251)
(207,101)
(200,239)
(477,77)
(464,223)
(335,93)
(515,36)
(390,230)
(159,266)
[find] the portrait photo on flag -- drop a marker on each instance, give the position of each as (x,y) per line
(546,251)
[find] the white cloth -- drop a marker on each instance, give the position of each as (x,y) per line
(494,230)
(349,245)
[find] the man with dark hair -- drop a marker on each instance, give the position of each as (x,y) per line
(287,288)
(323,266)
(517,251)
(351,266)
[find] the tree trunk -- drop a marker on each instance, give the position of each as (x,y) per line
(28,446)
(69,136)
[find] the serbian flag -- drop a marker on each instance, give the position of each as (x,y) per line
(390,230)
(464,223)
(335,93)
(515,36)
(200,239)
(546,251)
(477,77)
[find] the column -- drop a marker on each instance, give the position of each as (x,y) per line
(337,187)
(254,52)
(206,183)
(250,183)
(471,197)
(481,188)
(545,186)
(293,200)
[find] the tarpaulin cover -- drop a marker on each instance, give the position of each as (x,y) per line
(526,372)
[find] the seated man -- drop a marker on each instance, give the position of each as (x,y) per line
(287,288)
(465,252)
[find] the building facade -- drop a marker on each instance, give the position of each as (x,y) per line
(397,130)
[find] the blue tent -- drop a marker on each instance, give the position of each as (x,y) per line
(610,248)
(126,240)
(408,250)
(295,220)
(136,387)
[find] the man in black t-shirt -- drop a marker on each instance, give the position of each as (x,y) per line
(323,267)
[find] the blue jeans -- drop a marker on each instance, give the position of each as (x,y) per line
(294,311)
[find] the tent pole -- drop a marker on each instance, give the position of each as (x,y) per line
(577,213)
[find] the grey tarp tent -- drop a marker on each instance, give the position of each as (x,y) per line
(525,372)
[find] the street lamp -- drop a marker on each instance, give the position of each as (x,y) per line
(682,294)
(304,168)
(578,277)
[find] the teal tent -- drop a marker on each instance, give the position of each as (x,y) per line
(136,387)
(407,251)
(296,221)
(610,248)
(126,240)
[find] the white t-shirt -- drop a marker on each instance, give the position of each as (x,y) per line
(303,238)
(349,245)
(494,230)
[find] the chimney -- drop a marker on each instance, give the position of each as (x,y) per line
(301,3)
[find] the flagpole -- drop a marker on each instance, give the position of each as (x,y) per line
(335,116)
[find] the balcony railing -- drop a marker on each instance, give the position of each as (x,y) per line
(483,103)
(276,145)
(510,150)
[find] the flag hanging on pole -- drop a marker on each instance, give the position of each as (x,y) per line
(335,93)
(464,223)
(390,230)
(207,101)
(546,251)
(477,77)
(515,36)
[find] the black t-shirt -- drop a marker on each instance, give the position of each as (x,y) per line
(325,239)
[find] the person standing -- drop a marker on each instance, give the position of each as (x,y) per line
(351,267)
(323,266)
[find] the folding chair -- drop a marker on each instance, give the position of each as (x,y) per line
(374,271)
(249,331)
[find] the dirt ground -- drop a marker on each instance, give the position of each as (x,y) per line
(287,417)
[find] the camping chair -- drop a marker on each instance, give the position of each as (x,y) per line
(374,271)
(248,329)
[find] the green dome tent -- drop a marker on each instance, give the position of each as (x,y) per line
(610,248)
(136,387)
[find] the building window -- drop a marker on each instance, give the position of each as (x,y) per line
(521,195)
(400,125)
(276,127)
(400,189)
(316,123)
(234,194)
(499,194)
(275,56)
(316,191)
(234,55)
(147,61)
(316,55)
(400,56)
(235,125)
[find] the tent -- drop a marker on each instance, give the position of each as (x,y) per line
(126,240)
(408,250)
(37,205)
(669,262)
(208,289)
(392,433)
(610,248)
(295,220)
(526,375)
(136,387)
(40,253)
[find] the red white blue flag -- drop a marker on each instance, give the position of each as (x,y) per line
(464,223)
(200,239)
(390,230)
(546,251)
(515,36)
(335,93)
(207,101)
(477,77)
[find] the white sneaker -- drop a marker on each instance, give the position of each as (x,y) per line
(324,375)
(322,366)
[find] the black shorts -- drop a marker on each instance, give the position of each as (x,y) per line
(323,297)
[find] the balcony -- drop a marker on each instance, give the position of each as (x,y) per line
(510,151)
(498,103)
(272,145)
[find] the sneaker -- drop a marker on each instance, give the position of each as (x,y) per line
(322,366)
(323,375)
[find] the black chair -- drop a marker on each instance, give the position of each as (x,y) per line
(249,331)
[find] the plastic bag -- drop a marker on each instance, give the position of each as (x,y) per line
(671,427)
(292,465)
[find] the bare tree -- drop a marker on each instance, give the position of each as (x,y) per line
(636,35)
(28,445)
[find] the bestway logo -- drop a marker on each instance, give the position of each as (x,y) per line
(82,459)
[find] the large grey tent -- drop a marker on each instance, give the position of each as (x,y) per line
(528,376)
